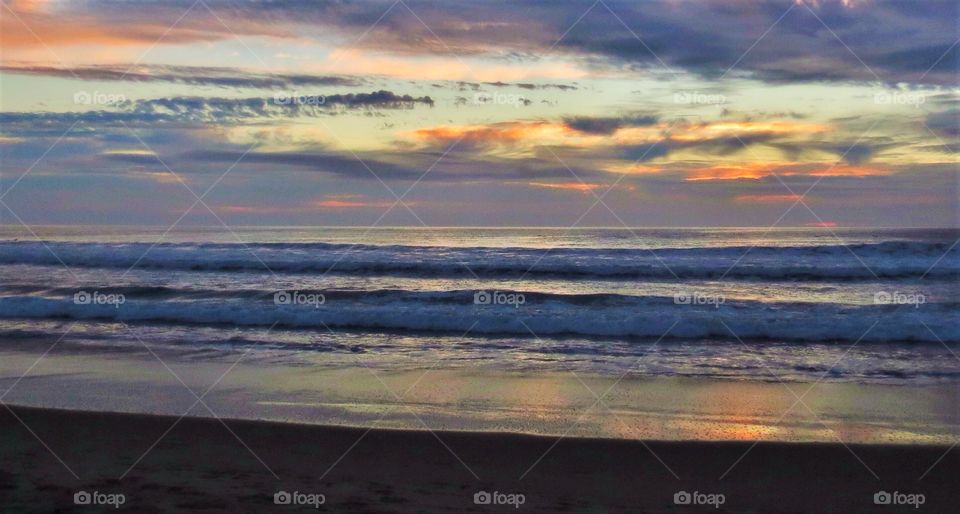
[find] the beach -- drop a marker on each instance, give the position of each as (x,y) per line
(449,434)
(440,396)
(201,466)
(419,256)
(541,371)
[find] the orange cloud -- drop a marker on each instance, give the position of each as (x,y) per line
(346,204)
(766,198)
(766,127)
(751,171)
(40,24)
(27,5)
(348,201)
(249,209)
(632,169)
(161,177)
(816,3)
(526,135)
(573,186)
(538,132)
(338,203)
(506,132)
(37,30)
(844,170)
(758,170)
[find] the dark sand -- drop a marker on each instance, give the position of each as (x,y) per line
(200,467)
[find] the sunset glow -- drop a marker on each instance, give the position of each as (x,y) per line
(339,108)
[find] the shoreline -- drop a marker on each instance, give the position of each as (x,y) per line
(483,400)
(593,439)
(208,465)
(380,427)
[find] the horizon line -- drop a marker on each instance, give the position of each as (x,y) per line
(488,227)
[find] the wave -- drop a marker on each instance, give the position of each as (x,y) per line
(886,260)
(521,314)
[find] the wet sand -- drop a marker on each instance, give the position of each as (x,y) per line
(201,465)
(484,400)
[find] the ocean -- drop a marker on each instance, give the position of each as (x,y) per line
(846,305)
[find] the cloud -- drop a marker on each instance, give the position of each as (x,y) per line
(123,23)
(583,187)
(706,38)
(851,152)
(192,110)
(521,85)
(342,164)
(703,144)
(353,201)
(510,133)
(716,38)
(761,170)
(607,125)
(140,158)
(946,123)
(768,198)
(396,166)
(608,143)
(881,40)
(192,75)
(856,153)
(215,109)
(328,203)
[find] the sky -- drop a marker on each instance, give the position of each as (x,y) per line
(662,113)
